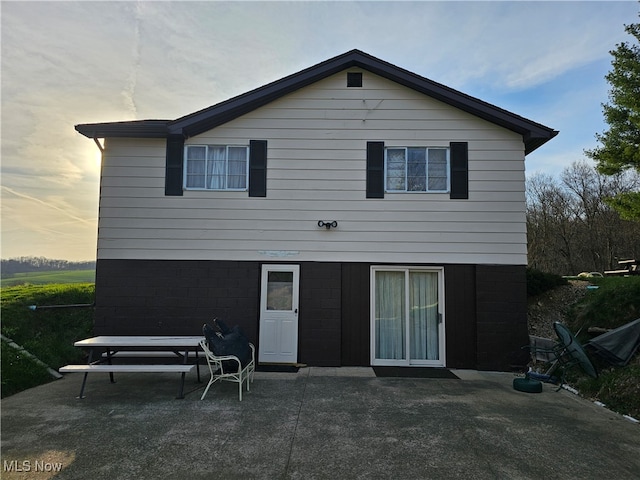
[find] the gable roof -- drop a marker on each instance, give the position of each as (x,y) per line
(534,134)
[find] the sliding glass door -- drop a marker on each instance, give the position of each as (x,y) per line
(407,324)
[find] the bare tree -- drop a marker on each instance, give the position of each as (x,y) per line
(571,228)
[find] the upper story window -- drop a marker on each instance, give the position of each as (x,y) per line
(416,169)
(216,167)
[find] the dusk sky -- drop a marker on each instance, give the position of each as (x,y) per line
(66,63)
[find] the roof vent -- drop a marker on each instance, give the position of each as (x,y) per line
(354,79)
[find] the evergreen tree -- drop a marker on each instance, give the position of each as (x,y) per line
(620,145)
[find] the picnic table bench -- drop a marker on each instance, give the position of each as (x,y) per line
(180,348)
(631,267)
(154,368)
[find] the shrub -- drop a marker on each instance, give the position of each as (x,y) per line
(615,302)
(539,282)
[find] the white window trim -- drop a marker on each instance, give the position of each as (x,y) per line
(406,148)
(442,361)
(205,189)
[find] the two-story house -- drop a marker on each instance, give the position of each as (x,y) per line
(353,213)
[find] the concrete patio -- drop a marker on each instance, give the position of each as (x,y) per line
(333,423)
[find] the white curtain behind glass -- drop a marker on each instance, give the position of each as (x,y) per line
(390,315)
(216,167)
(423,315)
(237,165)
(196,167)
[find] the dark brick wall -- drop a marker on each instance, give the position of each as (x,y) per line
(501,309)
(485,310)
(166,297)
(356,314)
(152,297)
(320,314)
(486,321)
(460,312)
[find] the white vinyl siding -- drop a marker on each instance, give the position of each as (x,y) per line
(316,171)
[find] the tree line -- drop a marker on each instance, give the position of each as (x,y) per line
(40,264)
(572,228)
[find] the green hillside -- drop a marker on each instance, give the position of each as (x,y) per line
(46,333)
(46,277)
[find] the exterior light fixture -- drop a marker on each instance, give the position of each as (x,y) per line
(327,224)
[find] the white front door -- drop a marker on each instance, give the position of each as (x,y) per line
(279,314)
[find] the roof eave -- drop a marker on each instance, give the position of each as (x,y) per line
(533,143)
(133,129)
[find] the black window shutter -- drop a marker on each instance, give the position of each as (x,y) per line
(258,168)
(375,169)
(459,170)
(174,165)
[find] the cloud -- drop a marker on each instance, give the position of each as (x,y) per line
(129,91)
(66,209)
(47,227)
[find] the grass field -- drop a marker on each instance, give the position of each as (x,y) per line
(54,276)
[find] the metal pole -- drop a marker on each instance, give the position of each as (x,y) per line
(75,305)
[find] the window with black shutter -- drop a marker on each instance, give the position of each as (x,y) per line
(258,168)
(174,166)
(375,170)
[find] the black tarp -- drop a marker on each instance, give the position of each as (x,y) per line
(619,345)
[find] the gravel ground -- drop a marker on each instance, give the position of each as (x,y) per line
(552,306)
